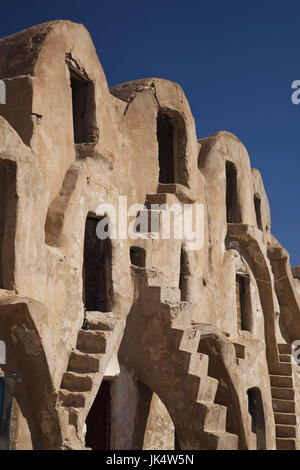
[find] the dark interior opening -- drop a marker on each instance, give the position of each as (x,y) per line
(2,387)
(165,137)
(8,204)
(138,256)
(257,204)
(233,212)
(98,420)
(243,302)
(83,103)
(184,275)
(256,410)
(97,269)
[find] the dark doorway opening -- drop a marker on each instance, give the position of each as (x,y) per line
(165,137)
(257,205)
(83,103)
(243,302)
(172,142)
(138,256)
(256,410)
(233,212)
(184,275)
(98,420)
(97,269)
(8,206)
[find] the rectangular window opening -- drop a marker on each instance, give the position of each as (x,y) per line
(83,104)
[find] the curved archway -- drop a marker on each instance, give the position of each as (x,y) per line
(18,318)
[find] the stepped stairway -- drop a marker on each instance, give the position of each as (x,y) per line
(178,369)
(283,400)
(86,368)
(181,372)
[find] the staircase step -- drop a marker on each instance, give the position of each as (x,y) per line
(283,393)
(285,418)
(207,389)
(94,342)
(285,348)
(281,381)
(215,417)
(284,368)
(83,363)
(77,382)
(170,294)
(71,399)
(285,430)
(283,406)
(190,340)
(199,364)
(181,315)
(101,321)
(285,358)
(227,441)
(285,444)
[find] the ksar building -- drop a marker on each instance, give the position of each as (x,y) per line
(133,343)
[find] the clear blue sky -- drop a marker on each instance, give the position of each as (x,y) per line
(235,60)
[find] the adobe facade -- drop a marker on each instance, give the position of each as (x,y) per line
(133,343)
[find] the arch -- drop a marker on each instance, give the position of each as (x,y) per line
(172,140)
(18,318)
(256,410)
(243,237)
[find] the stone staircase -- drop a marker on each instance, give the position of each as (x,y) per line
(180,371)
(202,423)
(86,368)
(283,400)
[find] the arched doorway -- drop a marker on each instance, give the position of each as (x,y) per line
(256,410)
(97,269)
